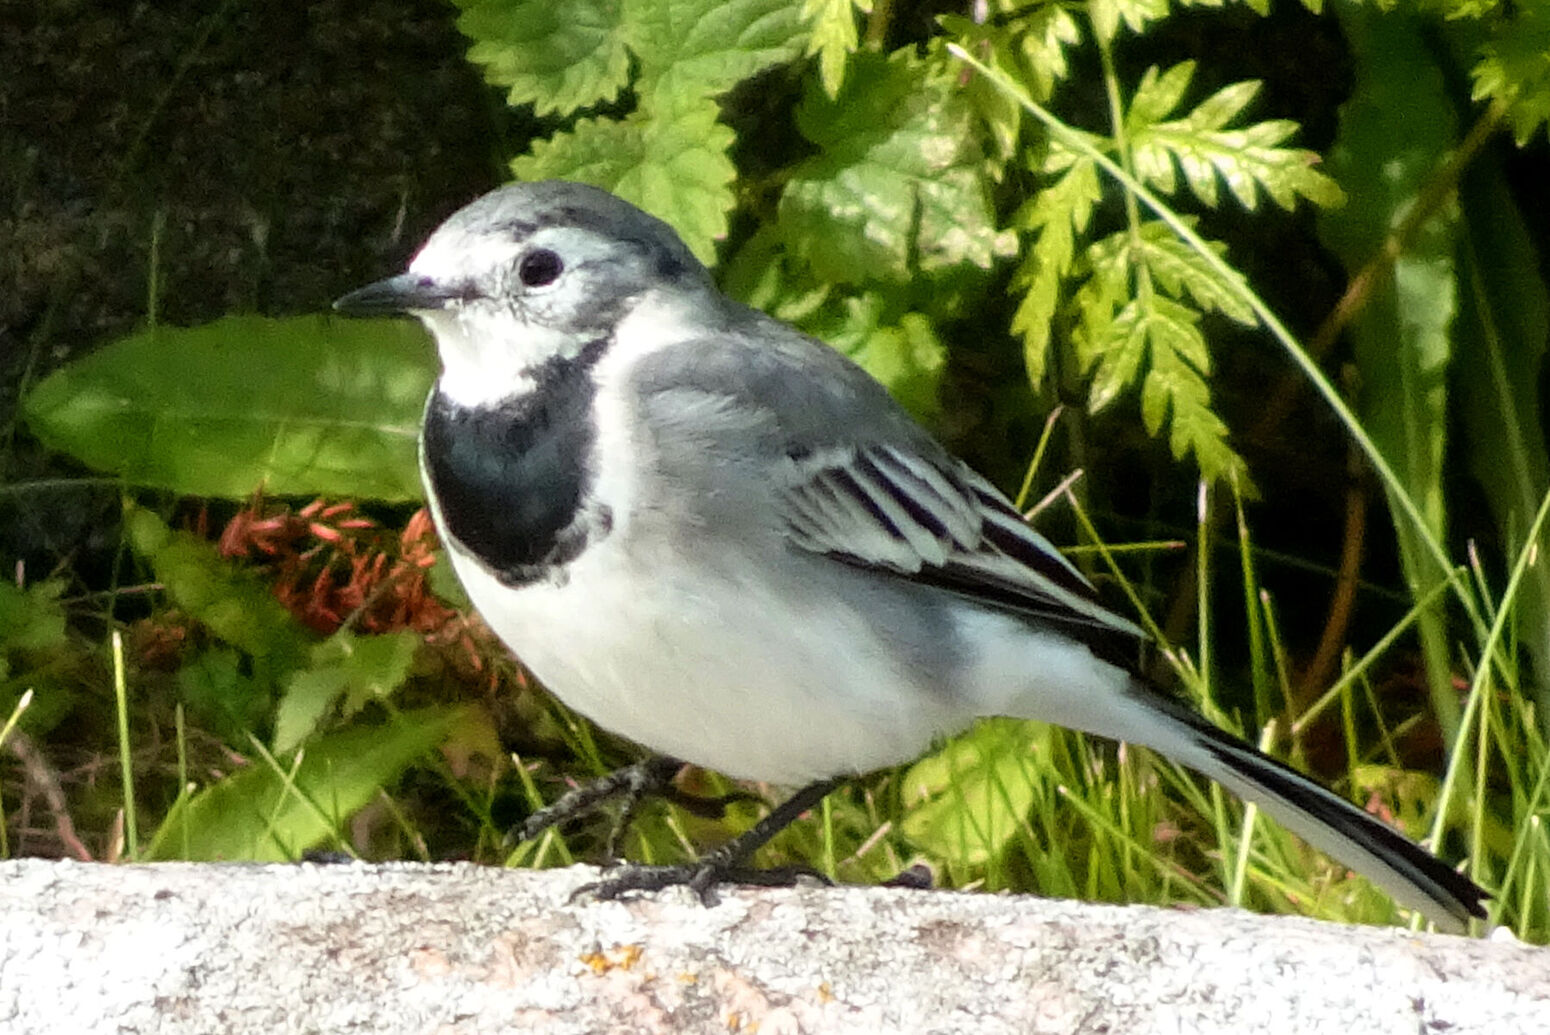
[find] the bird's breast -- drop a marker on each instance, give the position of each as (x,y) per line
(511,481)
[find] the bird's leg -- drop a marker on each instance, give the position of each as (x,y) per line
(724,865)
(633,783)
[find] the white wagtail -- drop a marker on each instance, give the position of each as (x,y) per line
(723,540)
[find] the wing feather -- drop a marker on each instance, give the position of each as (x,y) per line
(930,498)
(932,519)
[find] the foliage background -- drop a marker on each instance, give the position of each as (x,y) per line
(290,658)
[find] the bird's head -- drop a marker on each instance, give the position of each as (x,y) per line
(531,273)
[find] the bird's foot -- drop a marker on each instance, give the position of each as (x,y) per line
(725,865)
(651,777)
(702,878)
(916,878)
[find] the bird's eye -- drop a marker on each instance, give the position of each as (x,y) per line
(539,267)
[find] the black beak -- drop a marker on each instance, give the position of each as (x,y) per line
(405,293)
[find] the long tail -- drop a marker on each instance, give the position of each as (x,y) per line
(1331,824)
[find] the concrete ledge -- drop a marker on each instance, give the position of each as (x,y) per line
(186,948)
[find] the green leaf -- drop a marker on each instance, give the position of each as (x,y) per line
(1174,391)
(558,57)
(709,46)
(670,158)
(595,151)
(301,406)
(670,155)
(256,814)
(899,184)
(1043,39)
(1181,272)
(1054,216)
(443,582)
(357,668)
(1504,324)
(763,275)
(907,357)
(1157,95)
(1115,355)
(1107,14)
(562,57)
(1514,67)
(31,619)
(1160,337)
(967,802)
(233,603)
(1248,159)
(217,691)
(1030,50)
(832,36)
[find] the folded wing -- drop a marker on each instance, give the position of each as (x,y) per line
(932,519)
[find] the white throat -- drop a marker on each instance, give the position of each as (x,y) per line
(489,357)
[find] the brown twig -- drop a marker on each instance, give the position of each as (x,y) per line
(41,775)
(1342,604)
(1434,193)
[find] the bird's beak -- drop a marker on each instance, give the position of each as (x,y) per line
(405,293)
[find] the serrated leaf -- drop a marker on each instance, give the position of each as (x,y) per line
(1043,38)
(711,44)
(1181,272)
(257,815)
(670,159)
(1247,159)
(685,176)
(1114,351)
(832,36)
(561,57)
(233,603)
(899,183)
(1054,216)
(355,668)
(1107,14)
(967,802)
(1157,95)
(595,151)
(303,406)
(1034,317)
(1030,49)
(1161,338)
(1175,391)
(1217,110)
(1109,274)
(558,57)
(1514,67)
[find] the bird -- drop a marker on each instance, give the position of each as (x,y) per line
(723,540)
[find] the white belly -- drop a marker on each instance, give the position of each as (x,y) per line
(723,675)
